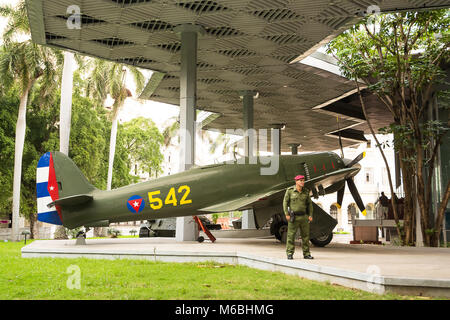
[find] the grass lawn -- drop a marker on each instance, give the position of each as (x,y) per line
(47,278)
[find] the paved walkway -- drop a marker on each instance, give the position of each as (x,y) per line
(416,267)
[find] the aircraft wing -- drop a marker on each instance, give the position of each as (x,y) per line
(244,202)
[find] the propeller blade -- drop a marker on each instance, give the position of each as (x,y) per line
(340,196)
(356,160)
(340,139)
(340,144)
(356,196)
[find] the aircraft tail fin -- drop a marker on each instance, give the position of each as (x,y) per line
(58,178)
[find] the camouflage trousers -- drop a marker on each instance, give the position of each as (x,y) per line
(302,223)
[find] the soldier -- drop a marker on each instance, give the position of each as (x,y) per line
(384,201)
(298,208)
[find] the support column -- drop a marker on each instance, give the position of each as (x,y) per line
(248,217)
(66,103)
(249,139)
(65,119)
(186,227)
(294,148)
(276,138)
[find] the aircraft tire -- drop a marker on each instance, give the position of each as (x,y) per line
(277,229)
(81,233)
(201,239)
(322,241)
(144,232)
(283,232)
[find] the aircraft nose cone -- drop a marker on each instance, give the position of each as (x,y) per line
(346,161)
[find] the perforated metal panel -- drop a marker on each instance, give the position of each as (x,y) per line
(247,45)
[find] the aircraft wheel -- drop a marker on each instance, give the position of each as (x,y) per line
(277,229)
(144,232)
(81,234)
(323,240)
(200,239)
(283,232)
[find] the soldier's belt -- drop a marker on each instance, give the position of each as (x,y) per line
(299,213)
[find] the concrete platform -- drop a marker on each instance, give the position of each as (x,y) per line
(379,269)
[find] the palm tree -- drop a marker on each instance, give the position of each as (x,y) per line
(65,113)
(65,116)
(109,78)
(171,128)
(22,64)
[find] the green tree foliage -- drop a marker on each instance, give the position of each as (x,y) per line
(109,78)
(24,64)
(30,86)
(139,141)
(143,141)
(8,118)
(88,139)
(399,58)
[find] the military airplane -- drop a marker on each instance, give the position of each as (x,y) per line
(65,197)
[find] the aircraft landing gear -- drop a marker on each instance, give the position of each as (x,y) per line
(81,237)
(278,228)
(81,234)
(322,240)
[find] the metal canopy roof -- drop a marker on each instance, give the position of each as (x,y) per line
(248,45)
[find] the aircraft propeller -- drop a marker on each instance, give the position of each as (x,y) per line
(352,187)
(340,139)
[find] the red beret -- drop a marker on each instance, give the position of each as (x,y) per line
(299,177)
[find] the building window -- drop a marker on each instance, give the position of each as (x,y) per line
(384,178)
(369,175)
(352,212)
(334,211)
(369,211)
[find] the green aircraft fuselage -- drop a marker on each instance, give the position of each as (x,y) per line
(199,190)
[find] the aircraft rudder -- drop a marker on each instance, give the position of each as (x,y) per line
(57,177)
(47,191)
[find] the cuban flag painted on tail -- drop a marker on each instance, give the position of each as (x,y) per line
(47,191)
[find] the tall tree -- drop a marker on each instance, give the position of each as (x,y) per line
(143,141)
(399,58)
(109,78)
(8,111)
(22,62)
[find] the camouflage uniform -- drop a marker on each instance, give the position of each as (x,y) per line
(298,202)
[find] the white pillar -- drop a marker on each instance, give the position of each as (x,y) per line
(186,228)
(249,137)
(276,138)
(248,217)
(66,103)
(65,110)
(294,148)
